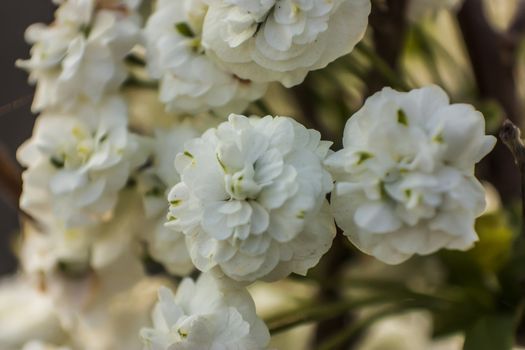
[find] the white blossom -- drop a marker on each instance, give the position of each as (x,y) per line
(25,313)
(405,178)
(206,314)
(49,246)
(282,40)
(251,200)
(189,80)
(165,246)
(78,162)
(101,307)
(409,331)
(38,345)
(80,55)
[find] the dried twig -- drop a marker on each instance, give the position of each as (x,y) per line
(10,180)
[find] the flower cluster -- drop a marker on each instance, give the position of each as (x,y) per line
(282,40)
(251,200)
(80,56)
(190,80)
(78,163)
(113,196)
(405,178)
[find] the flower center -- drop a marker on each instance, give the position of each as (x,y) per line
(241,185)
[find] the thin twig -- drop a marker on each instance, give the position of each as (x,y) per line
(510,134)
(304,96)
(10,181)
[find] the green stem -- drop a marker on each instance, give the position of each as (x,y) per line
(384,292)
(355,68)
(313,313)
(352,331)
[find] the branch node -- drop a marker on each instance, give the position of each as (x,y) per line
(510,134)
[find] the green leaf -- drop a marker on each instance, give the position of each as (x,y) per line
(402,117)
(184,29)
(491,332)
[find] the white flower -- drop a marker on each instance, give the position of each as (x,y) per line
(25,314)
(417,9)
(207,314)
(405,178)
(48,245)
(116,322)
(165,246)
(252,198)
(282,40)
(80,56)
(78,162)
(190,81)
(409,331)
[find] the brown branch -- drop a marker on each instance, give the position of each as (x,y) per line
(510,134)
(329,269)
(517,28)
(493,58)
(10,180)
(389,24)
(305,98)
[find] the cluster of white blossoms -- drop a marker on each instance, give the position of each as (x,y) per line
(282,40)
(80,55)
(251,200)
(206,314)
(405,179)
(189,80)
(77,164)
(244,201)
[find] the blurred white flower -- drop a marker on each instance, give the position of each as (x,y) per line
(38,345)
(100,307)
(26,314)
(282,40)
(166,246)
(252,198)
(190,81)
(207,314)
(78,162)
(410,331)
(417,9)
(405,178)
(80,55)
(118,319)
(48,245)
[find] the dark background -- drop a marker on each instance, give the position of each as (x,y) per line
(16,120)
